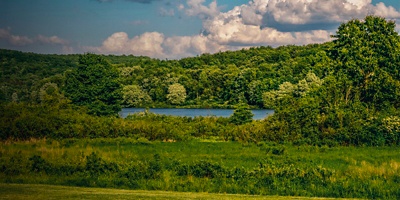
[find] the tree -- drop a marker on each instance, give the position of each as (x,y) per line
(134,96)
(368,52)
(288,90)
(255,92)
(94,84)
(176,94)
(241,115)
(50,94)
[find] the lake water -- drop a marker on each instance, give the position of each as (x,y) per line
(195,112)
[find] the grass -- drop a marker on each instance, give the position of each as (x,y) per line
(33,192)
(228,154)
(192,166)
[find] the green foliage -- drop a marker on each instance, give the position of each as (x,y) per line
(176,94)
(95,165)
(367,52)
(94,84)
(38,164)
(344,92)
(134,96)
(225,167)
(287,90)
(341,93)
(241,115)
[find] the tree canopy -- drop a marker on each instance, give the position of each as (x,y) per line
(94,84)
(368,54)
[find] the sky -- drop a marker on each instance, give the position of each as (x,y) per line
(173,29)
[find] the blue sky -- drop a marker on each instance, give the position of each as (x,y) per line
(175,28)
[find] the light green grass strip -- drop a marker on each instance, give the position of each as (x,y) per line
(30,192)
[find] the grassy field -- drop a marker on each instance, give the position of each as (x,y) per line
(204,166)
(33,192)
(230,154)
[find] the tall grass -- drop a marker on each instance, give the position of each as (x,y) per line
(205,166)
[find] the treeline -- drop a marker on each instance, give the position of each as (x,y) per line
(219,80)
(223,79)
(22,73)
(343,92)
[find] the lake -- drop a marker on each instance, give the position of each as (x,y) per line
(195,112)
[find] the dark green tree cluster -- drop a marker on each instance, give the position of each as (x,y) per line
(356,99)
(94,84)
(23,74)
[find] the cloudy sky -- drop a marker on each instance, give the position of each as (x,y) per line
(175,28)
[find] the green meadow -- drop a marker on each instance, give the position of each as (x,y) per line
(203,166)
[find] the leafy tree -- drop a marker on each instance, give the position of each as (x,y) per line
(50,94)
(254,93)
(288,90)
(94,84)
(176,94)
(368,51)
(241,115)
(134,96)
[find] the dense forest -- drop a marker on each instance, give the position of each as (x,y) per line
(344,92)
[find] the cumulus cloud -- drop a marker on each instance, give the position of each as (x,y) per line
(260,22)
(196,8)
(389,12)
(250,16)
(326,11)
(147,44)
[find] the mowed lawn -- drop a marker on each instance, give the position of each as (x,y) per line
(32,192)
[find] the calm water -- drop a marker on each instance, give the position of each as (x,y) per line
(195,112)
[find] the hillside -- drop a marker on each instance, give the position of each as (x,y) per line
(343,92)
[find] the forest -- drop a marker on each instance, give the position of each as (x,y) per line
(343,92)
(339,94)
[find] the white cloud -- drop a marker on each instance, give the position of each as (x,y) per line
(20,41)
(15,40)
(231,28)
(389,12)
(250,16)
(321,11)
(253,24)
(147,44)
(196,8)
(51,40)
(315,11)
